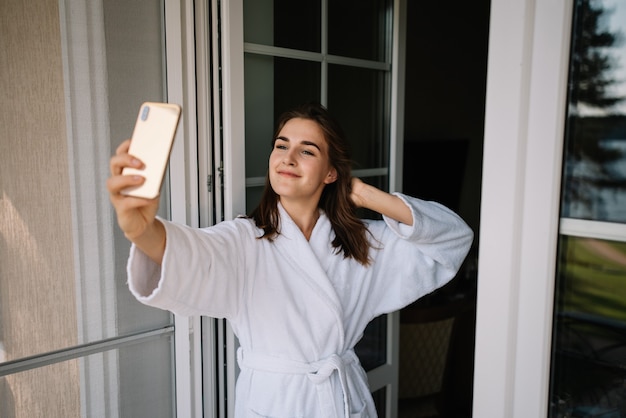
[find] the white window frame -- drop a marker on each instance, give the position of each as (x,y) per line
(524,128)
(183,190)
(232,167)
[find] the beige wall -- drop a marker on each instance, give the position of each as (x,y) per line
(37,301)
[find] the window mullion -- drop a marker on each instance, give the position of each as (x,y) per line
(324,50)
(609,231)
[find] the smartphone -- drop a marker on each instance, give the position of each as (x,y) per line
(151,142)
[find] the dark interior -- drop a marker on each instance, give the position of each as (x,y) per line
(446,72)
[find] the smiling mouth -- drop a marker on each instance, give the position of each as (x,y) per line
(288,174)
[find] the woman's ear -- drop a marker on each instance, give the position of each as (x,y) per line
(331,177)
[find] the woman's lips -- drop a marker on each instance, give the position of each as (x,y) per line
(288,174)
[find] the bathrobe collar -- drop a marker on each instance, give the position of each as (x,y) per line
(307,258)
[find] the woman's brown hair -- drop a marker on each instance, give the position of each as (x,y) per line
(350,231)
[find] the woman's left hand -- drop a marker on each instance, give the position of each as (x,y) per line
(366,196)
(356,192)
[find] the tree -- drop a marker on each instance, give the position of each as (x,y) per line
(592,72)
(591,64)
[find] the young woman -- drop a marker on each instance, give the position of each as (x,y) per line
(302,276)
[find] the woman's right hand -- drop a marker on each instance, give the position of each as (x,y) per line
(135,215)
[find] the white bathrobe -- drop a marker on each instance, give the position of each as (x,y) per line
(298,307)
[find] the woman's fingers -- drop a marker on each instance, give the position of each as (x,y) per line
(123,147)
(134,214)
(123,159)
(356,188)
(118,182)
(118,162)
(115,184)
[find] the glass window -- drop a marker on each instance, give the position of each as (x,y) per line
(283,23)
(372,349)
(273,85)
(130,381)
(588,367)
(63,270)
(357,29)
(357,98)
(589,354)
(595,159)
(380,401)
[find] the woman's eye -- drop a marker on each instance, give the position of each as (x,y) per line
(280,146)
(307,152)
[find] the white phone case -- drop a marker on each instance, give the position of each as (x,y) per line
(151,142)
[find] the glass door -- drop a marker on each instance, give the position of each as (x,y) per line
(342,55)
(551,208)
(73,340)
(318,57)
(588,367)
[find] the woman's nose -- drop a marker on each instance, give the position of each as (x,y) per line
(289,158)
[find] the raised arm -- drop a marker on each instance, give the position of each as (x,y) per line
(369,197)
(135,216)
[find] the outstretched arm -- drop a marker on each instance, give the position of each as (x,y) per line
(369,197)
(135,216)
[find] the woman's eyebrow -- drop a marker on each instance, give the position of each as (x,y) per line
(305,142)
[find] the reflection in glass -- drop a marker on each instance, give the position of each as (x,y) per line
(356,96)
(595,160)
(357,29)
(588,368)
(589,347)
(283,23)
(132,381)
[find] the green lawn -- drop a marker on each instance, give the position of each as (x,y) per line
(593,278)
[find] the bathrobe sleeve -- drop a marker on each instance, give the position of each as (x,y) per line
(415,260)
(202,272)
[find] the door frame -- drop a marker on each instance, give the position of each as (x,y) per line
(183,191)
(524,129)
(385,376)
(525,108)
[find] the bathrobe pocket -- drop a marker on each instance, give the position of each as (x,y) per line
(277,395)
(360,413)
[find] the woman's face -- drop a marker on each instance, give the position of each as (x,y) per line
(299,166)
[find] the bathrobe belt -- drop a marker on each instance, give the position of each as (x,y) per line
(318,372)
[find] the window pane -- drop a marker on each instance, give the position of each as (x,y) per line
(357,97)
(380,182)
(88,386)
(283,23)
(589,347)
(253,197)
(380,401)
(273,85)
(588,368)
(595,159)
(62,278)
(295,82)
(358,29)
(372,349)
